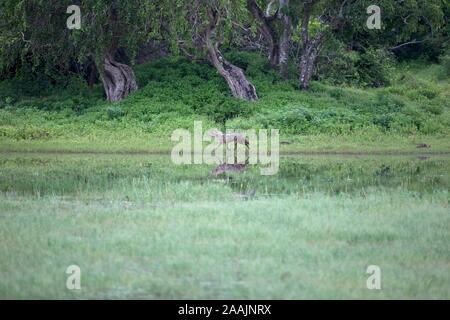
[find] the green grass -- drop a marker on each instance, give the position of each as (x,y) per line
(309,247)
(141,227)
(130,141)
(174,93)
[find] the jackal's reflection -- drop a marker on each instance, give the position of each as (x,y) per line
(230,167)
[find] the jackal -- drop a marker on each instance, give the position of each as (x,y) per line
(230,137)
(226,167)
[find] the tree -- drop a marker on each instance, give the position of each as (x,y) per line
(202,26)
(317,18)
(331,15)
(37,32)
(408,28)
(34,33)
(276,29)
(108,26)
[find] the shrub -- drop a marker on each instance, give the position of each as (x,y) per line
(174,92)
(25,133)
(445,61)
(337,65)
(114,112)
(253,64)
(375,67)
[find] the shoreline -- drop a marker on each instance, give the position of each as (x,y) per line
(286,153)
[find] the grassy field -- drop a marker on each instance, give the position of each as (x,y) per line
(73,192)
(126,142)
(174,93)
(140,227)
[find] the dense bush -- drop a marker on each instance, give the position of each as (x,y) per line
(15,89)
(375,67)
(173,92)
(445,60)
(371,68)
(337,65)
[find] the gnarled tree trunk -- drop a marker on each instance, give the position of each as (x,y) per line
(235,77)
(118,79)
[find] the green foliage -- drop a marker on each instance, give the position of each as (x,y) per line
(114,112)
(135,222)
(174,92)
(34,35)
(337,65)
(375,67)
(23,133)
(25,86)
(253,64)
(189,20)
(402,22)
(445,60)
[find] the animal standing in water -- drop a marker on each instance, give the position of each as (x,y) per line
(226,167)
(229,137)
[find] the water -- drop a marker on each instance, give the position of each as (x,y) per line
(141,227)
(155,177)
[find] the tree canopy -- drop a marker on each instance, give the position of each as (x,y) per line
(34,35)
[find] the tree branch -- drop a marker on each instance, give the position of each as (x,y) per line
(405,44)
(269,6)
(23,38)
